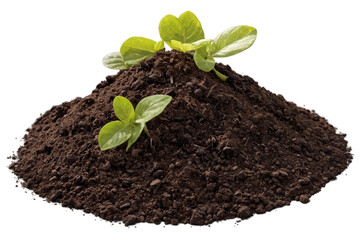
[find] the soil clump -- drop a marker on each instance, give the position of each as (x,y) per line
(220,150)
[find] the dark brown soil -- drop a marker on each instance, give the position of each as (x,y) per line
(220,150)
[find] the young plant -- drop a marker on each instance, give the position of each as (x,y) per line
(132,52)
(132,122)
(185,34)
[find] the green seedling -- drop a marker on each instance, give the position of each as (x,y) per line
(186,34)
(132,122)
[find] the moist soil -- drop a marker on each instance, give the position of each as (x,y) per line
(220,150)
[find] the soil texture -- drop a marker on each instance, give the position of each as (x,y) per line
(220,150)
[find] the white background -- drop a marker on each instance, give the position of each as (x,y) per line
(51,51)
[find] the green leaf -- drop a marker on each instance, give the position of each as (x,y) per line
(159,46)
(233,41)
(136,49)
(114,134)
(192,27)
(170,28)
(203,60)
(150,107)
(136,131)
(182,47)
(124,110)
(185,29)
(202,42)
(175,45)
(114,61)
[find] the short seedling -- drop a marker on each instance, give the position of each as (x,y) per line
(132,122)
(184,34)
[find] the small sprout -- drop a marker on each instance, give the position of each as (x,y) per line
(132,122)
(185,34)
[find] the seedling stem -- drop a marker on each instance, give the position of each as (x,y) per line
(146,131)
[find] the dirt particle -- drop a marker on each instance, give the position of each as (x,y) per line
(125,205)
(135,153)
(304,199)
(155,182)
(197,219)
(198,92)
(55,196)
(305,181)
(130,220)
(138,83)
(244,212)
(174,221)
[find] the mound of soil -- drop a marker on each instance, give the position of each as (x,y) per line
(220,150)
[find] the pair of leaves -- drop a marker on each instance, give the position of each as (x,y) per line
(185,34)
(180,32)
(132,122)
(132,52)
